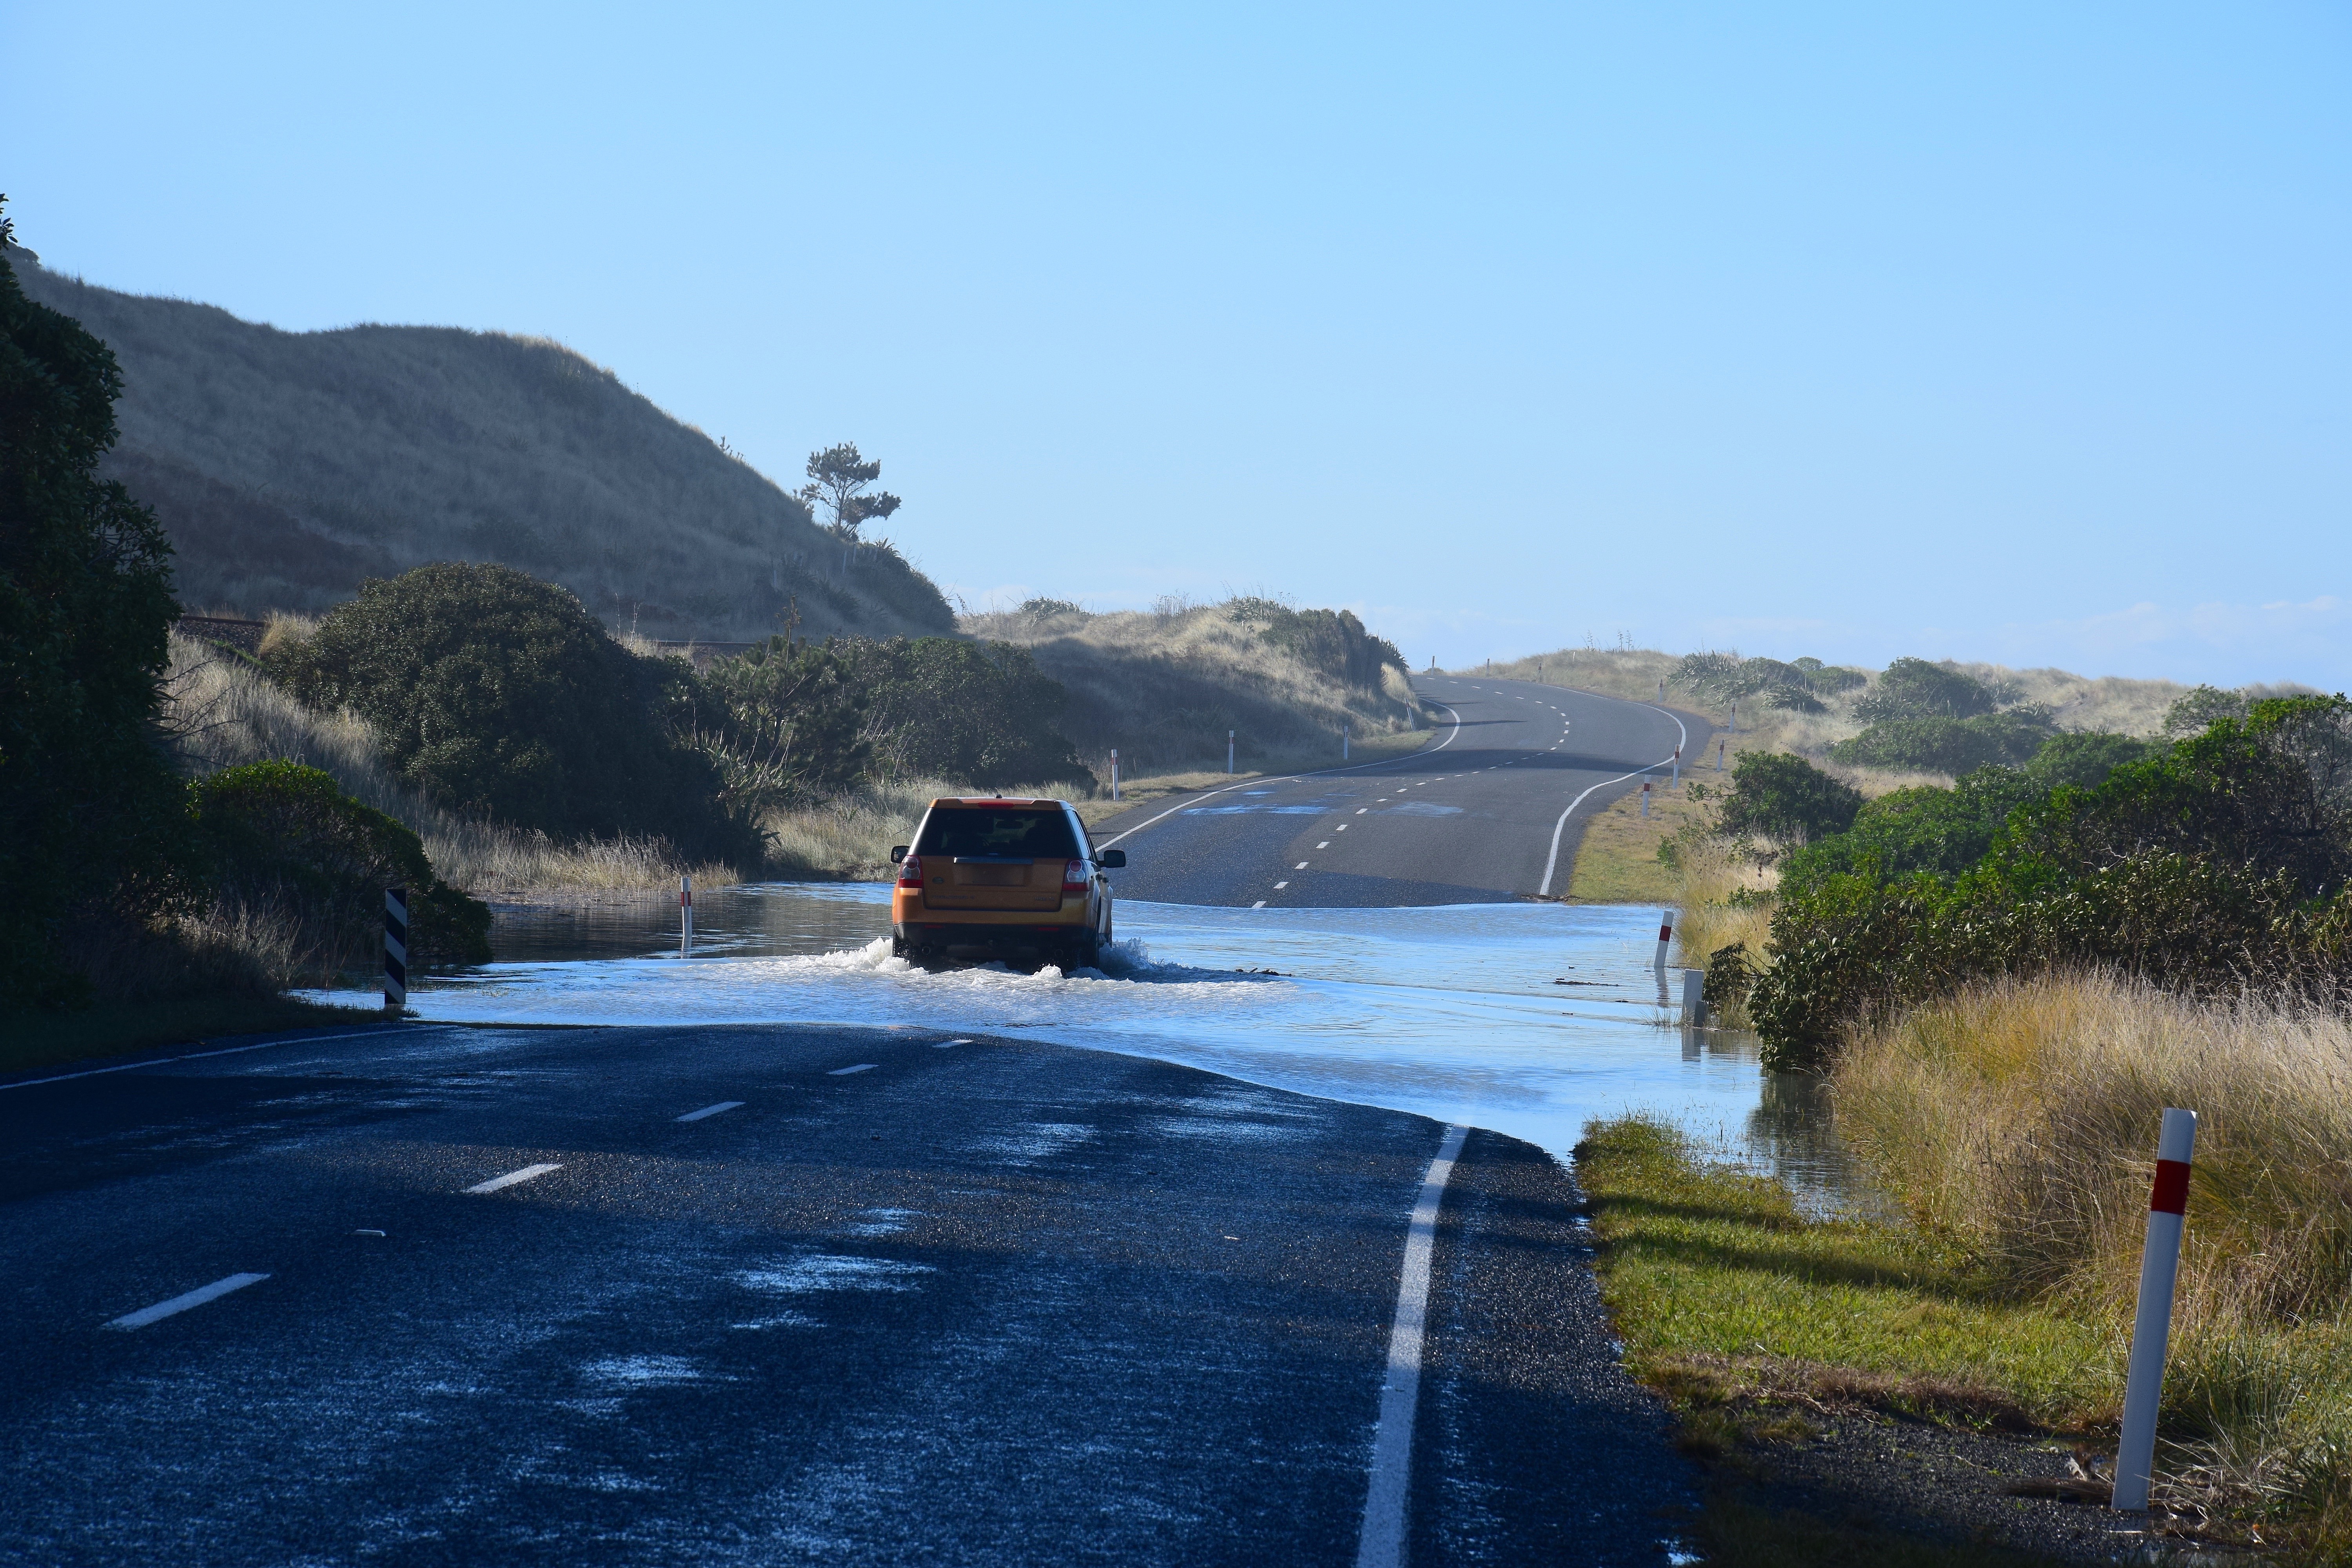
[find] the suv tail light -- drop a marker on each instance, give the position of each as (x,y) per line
(1074,876)
(910,873)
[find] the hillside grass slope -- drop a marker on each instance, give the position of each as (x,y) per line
(1164,687)
(287,466)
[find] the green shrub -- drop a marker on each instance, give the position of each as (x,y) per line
(89,807)
(2224,860)
(952,709)
(1914,689)
(790,722)
(500,696)
(1948,745)
(1786,799)
(284,839)
(2086,758)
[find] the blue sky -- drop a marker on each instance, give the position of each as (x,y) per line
(2016,332)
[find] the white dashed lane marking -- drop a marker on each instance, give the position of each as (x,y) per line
(845,1072)
(196,1298)
(712,1109)
(1279,886)
(1300,867)
(528,1173)
(943,1045)
(1325,845)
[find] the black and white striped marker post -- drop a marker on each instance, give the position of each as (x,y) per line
(685,917)
(2159,1271)
(395,949)
(1114,773)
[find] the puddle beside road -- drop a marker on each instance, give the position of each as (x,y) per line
(1454,1012)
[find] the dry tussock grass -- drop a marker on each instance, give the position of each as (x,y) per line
(2022,1118)
(1164,687)
(222,713)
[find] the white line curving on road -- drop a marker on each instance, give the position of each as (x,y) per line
(1381,1543)
(1552,861)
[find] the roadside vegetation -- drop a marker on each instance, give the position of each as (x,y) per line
(2004,968)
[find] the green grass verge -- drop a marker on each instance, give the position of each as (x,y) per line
(1724,1291)
(43,1039)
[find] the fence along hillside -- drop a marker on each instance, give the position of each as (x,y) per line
(288,466)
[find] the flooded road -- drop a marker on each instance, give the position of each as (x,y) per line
(1528,1018)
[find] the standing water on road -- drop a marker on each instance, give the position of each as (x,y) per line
(1528,1018)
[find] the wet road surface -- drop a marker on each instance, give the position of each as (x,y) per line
(782,1294)
(1489,810)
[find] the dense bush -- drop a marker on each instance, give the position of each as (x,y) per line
(2222,859)
(90,811)
(1914,689)
(285,841)
(952,709)
(1786,799)
(501,696)
(788,720)
(1948,745)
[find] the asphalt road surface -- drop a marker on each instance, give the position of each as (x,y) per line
(1489,810)
(437,1294)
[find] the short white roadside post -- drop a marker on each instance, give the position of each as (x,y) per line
(1732,724)
(395,949)
(685,916)
(1678,769)
(1719,746)
(1114,773)
(1694,998)
(1666,935)
(1662,691)
(2159,1271)
(1645,800)
(1229,750)
(1344,738)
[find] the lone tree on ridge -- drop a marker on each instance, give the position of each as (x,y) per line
(838,477)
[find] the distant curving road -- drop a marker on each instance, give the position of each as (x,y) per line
(1489,810)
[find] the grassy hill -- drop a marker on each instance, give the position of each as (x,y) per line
(288,466)
(1165,686)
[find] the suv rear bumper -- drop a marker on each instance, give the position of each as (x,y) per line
(1035,936)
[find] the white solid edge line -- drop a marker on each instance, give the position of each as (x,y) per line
(1285,778)
(1552,861)
(199,1055)
(1381,1543)
(196,1297)
(845,1072)
(712,1109)
(526,1174)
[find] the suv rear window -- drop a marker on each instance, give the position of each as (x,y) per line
(1032,835)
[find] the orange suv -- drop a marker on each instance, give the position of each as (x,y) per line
(1015,879)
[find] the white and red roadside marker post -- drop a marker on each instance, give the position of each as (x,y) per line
(1666,935)
(1114,773)
(2159,1271)
(685,916)
(1677,783)
(1228,752)
(395,949)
